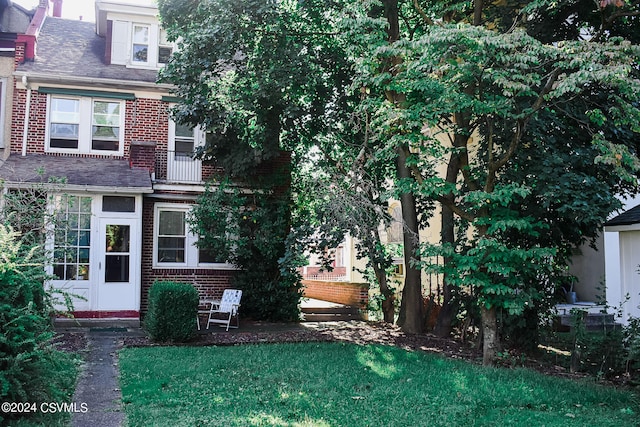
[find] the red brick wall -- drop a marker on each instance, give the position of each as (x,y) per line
(37,121)
(143,155)
(210,283)
(146,120)
(355,294)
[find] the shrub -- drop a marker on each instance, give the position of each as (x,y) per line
(31,370)
(173,308)
(250,231)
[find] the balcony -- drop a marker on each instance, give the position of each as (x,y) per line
(178,167)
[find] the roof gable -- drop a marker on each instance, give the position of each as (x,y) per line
(630,217)
(71,49)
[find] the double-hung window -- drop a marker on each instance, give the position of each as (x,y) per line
(64,126)
(85,125)
(140,48)
(165,48)
(174,244)
(185,139)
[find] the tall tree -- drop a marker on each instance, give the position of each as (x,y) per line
(490,87)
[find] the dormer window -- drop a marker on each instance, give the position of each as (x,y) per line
(165,49)
(139,45)
(140,48)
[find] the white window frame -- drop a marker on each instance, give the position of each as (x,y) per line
(85,136)
(154,42)
(134,42)
(191,250)
(199,136)
(163,43)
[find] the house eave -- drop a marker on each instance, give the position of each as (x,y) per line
(79,188)
(39,78)
(622,227)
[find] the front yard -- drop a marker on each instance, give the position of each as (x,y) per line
(343,384)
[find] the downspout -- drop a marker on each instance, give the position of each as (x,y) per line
(27,107)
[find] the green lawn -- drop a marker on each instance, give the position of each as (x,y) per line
(333,384)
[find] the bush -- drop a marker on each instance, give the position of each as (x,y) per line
(173,308)
(31,370)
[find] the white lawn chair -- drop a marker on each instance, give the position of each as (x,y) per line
(222,311)
(204,308)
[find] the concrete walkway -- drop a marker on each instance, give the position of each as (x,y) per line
(98,386)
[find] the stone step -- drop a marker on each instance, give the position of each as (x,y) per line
(592,321)
(330,314)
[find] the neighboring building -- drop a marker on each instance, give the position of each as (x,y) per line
(622,255)
(14,26)
(87,107)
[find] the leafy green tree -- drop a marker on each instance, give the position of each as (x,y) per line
(250,231)
(261,77)
(470,81)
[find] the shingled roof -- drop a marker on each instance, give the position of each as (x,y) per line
(72,48)
(630,217)
(84,172)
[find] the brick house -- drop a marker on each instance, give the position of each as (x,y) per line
(86,107)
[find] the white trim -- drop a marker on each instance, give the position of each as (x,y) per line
(75,81)
(191,250)
(617,228)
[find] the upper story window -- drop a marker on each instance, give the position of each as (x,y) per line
(140,47)
(139,44)
(165,48)
(185,140)
(85,125)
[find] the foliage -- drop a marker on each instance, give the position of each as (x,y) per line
(249,230)
(610,351)
(418,90)
(31,370)
(173,308)
(326,384)
(484,97)
(247,77)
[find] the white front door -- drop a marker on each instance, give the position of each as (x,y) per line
(118,281)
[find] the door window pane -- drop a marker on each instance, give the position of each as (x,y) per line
(117,242)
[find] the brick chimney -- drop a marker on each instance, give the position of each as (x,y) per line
(57,8)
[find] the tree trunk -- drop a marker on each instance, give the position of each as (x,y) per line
(447,235)
(411,317)
(491,342)
(388,303)
(388,310)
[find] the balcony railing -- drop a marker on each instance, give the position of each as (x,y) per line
(178,167)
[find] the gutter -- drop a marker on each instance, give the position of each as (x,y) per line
(85,188)
(91,81)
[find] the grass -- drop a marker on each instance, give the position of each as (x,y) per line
(335,384)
